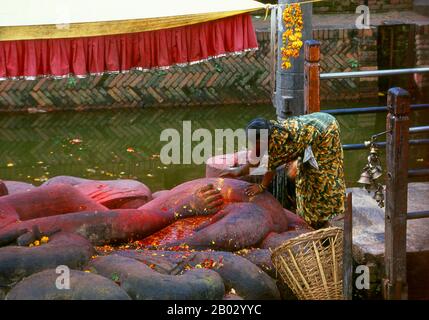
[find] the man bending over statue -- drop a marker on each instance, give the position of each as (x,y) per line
(313,141)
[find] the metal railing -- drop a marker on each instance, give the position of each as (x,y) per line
(362,146)
(421,129)
(376,109)
(397,157)
(418,215)
(372,73)
(314,72)
(415,130)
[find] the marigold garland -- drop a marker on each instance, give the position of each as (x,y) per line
(292,37)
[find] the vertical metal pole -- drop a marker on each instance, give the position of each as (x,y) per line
(273,50)
(279,185)
(398,123)
(289,96)
(348,249)
(312,76)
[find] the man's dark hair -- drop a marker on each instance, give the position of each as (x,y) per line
(259,124)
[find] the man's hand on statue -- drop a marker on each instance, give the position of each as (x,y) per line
(254,190)
(231,173)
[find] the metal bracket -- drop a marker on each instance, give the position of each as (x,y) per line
(375,136)
(287,100)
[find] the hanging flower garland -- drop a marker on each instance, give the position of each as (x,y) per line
(292,37)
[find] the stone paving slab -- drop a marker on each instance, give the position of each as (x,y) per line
(368,223)
(368,239)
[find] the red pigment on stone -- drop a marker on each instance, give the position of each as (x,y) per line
(177,231)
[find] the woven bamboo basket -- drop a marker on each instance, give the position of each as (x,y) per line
(312,264)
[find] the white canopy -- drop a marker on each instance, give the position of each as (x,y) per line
(54,19)
(53,12)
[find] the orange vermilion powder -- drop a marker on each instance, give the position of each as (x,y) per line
(177,231)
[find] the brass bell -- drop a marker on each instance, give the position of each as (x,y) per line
(372,171)
(365,178)
(376,172)
(378,196)
(373,158)
(369,188)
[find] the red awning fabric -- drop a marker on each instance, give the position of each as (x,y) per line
(120,53)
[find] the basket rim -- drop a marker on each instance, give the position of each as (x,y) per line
(305,237)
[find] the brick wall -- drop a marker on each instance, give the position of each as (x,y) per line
(348,50)
(349,6)
(422,59)
(243,79)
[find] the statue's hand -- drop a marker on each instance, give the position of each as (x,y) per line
(207,200)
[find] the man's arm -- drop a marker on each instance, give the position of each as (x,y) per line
(268,178)
(255,189)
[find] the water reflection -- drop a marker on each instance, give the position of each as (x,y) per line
(125,143)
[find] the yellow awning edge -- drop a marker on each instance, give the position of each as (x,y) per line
(154,18)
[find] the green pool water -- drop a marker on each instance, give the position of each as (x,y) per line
(113,144)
